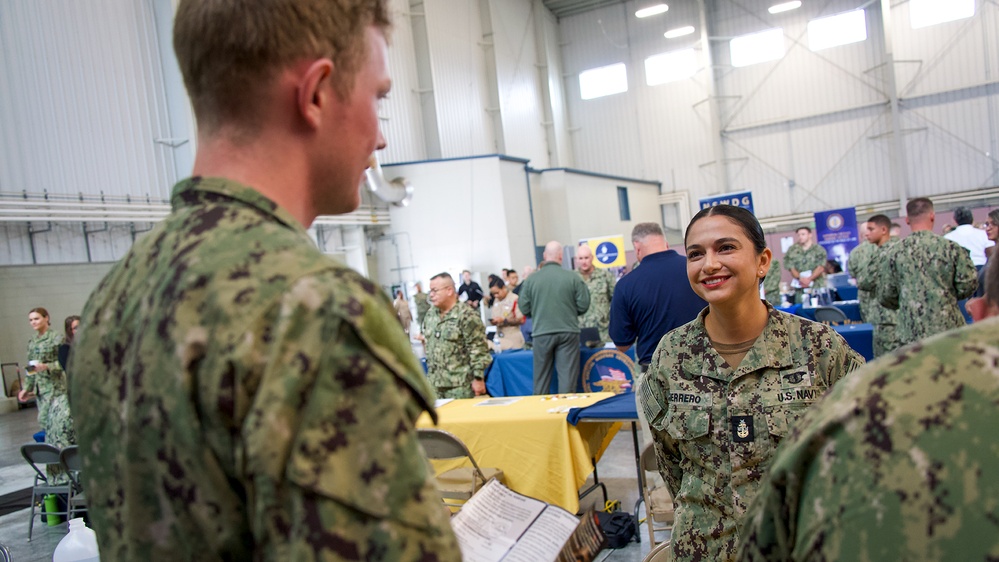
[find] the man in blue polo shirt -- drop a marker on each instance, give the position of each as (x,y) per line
(651,300)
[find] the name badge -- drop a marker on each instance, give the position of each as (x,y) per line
(689,399)
(742,429)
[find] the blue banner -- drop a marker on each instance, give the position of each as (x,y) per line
(742,199)
(836,231)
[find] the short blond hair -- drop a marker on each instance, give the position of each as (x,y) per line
(229,50)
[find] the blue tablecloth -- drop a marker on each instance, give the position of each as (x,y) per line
(851,309)
(860,337)
(617,407)
(512,372)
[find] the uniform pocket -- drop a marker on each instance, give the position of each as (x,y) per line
(687,424)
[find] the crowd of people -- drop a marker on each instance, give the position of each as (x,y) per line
(239,395)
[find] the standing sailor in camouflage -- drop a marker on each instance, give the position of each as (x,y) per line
(859,265)
(455,341)
(422,304)
(806,261)
(896,463)
(600,283)
(771,283)
(867,271)
(724,389)
(923,277)
(46,379)
(238,394)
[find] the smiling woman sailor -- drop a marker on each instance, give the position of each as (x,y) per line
(724,389)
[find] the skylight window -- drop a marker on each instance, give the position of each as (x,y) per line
(784,7)
(652,11)
(603,81)
(670,67)
(833,31)
(924,13)
(679,32)
(757,47)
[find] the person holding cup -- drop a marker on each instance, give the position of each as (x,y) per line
(47,381)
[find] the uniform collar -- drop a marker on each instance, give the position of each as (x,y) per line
(771,350)
(197,189)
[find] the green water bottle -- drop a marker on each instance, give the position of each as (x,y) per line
(52,506)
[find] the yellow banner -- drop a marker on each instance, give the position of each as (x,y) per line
(608,251)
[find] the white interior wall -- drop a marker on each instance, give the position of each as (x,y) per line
(455,221)
(82,108)
(401,122)
(60,289)
(809,132)
(593,208)
(518,215)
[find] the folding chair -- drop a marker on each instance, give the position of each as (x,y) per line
(830,315)
(458,483)
(77,501)
(659,553)
(658,503)
(43,454)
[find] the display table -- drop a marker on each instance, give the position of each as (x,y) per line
(527,437)
(860,337)
(512,372)
(850,308)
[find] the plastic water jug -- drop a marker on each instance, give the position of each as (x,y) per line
(80,545)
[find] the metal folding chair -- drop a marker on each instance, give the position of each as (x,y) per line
(458,483)
(77,501)
(658,503)
(42,455)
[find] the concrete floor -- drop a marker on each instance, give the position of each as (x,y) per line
(616,469)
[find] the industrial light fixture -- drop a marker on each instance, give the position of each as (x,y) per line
(679,32)
(652,11)
(785,7)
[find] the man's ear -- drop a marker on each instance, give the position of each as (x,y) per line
(315,91)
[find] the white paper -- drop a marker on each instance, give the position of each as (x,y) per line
(544,540)
(498,402)
(490,523)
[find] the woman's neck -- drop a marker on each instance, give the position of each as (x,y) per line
(41,331)
(736,322)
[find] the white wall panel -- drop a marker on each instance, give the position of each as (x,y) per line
(803,83)
(949,146)
(83,107)
(401,123)
(519,92)
(946,56)
(556,85)
(455,31)
(604,129)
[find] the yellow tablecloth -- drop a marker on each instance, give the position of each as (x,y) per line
(541,455)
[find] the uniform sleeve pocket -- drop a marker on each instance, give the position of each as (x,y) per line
(685,424)
(781,420)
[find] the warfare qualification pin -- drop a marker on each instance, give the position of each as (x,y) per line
(742,429)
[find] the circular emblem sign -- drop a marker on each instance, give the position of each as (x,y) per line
(835,221)
(606,252)
(608,370)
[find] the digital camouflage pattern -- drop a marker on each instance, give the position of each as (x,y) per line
(715,430)
(898,462)
(771,283)
(51,397)
(923,277)
(456,348)
(884,320)
(422,306)
(241,396)
(797,257)
(863,267)
(601,287)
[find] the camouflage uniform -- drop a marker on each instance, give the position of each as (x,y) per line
(923,276)
(241,396)
(715,430)
(797,257)
(601,287)
(49,387)
(862,266)
(771,283)
(422,306)
(885,320)
(456,350)
(896,463)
